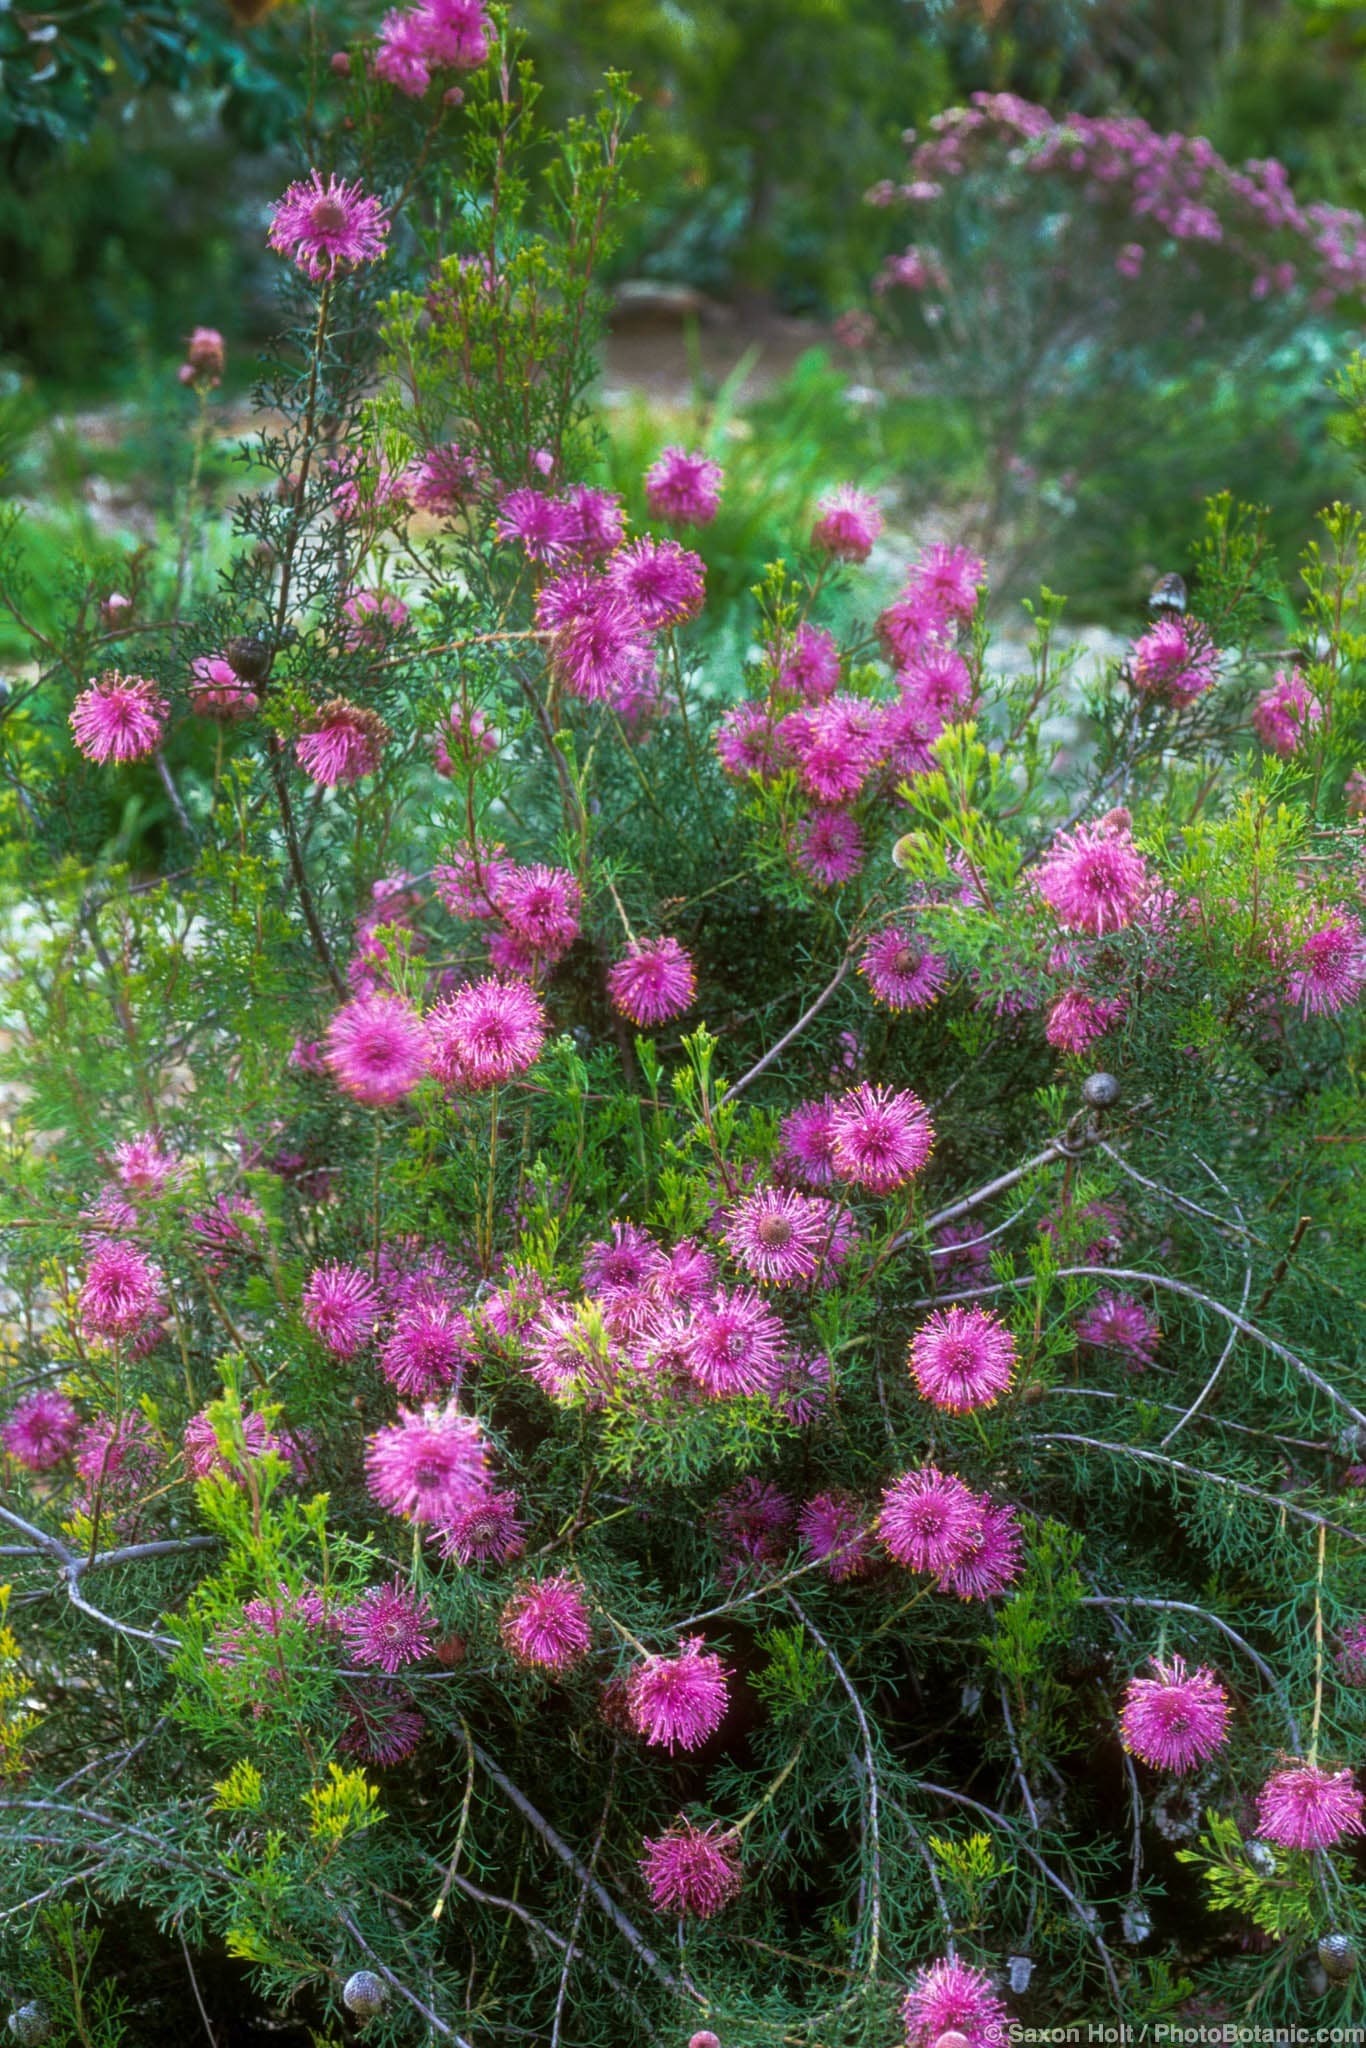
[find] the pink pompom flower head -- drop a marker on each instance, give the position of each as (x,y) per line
(341,1308)
(880,1137)
(783,1238)
(691,1872)
(993,1558)
(342,744)
(328,227)
(218,692)
(377,1049)
(1175,1719)
(485,1034)
(834,1528)
(677,1702)
(848,523)
(1120,1323)
(828,848)
(429,1466)
(661,582)
(1305,1806)
(1175,662)
(900,972)
(1328,969)
(734,1344)
(547,1626)
(540,906)
(487,1531)
(41,1431)
(930,1520)
(119,718)
(122,1292)
(426,1349)
(389,1626)
(653,982)
(954,2000)
(683,488)
(962,1358)
(1285,715)
(1094,878)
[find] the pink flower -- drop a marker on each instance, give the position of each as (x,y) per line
(691,1872)
(443,480)
(342,743)
(326,227)
(899,972)
(1094,878)
(1174,662)
(848,523)
(1077,1020)
(936,680)
(457,31)
(204,1455)
(747,741)
(542,526)
(881,1137)
(808,1143)
(653,982)
(683,489)
(377,1049)
(779,1236)
(547,1626)
(833,747)
(485,1033)
(829,848)
(949,578)
(930,1520)
(753,1521)
(834,1528)
(465,739)
(374,618)
(962,1358)
(1175,1719)
(218,692)
(1328,970)
(661,582)
(992,1559)
(677,1702)
(734,1344)
(41,1431)
(1306,1807)
(389,1626)
(1120,1323)
(1284,715)
(540,906)
(486,1531)
(954,1999)
(341,1308)
(597,521)
(119,718)
(429,1466)
(122,1291)
(426,1349)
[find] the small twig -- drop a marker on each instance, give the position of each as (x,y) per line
(865,1733)
(812,1010)
(439,2025)
(1240,1486)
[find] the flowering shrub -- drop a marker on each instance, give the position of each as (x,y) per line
(679,1345)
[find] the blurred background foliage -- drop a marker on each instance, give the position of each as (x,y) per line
(140,145)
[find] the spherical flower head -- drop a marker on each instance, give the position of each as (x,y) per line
(834,1528)
(458,33)
(119,718)
(780,1237)
(1328,969)
(691,1872)
(684,488)
(205,356)
(444,480)
(485,1034)
(653,982)
(962,1358)
(547,1626)
(808,663)
(541,526)
(388,1626)
(373,618)
(734,1344)
(848,523)
(328,227)
(900,972)
(623,1263)
(833,745)
(948,579)
(597,520)
(426,1350)
(1076,1021)
(935,681)
(402,58)
(662,583)
(1120,1323)
(488,1531)
(1174,662)
(829,848)
(807,1149)
(1307,1807)
(1177,1718)
(341,1307)
(342,744)
(930,1520)
(953,1998)
(218,692)
(1351,1659)
(385,1727)
(429,1466)
(41,1431)
(205,1455)
(677,1702)
(880,1137)
(540,906)
(748,742)
(376,1049)
(993,1559)
(122,1291)
(1094,878)
(1284,715)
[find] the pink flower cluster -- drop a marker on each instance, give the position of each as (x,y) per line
(438,35)
(932,1522)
